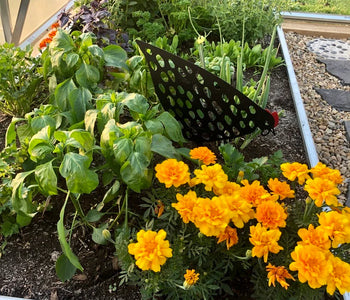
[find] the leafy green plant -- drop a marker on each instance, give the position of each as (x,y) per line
(20,81)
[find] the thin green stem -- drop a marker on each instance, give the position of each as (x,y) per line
(119,214)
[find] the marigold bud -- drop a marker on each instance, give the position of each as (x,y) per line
(248,253)
(106,234)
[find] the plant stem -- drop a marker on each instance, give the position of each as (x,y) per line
(77,206)
(120,212)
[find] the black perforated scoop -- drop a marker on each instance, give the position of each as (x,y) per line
(208,108)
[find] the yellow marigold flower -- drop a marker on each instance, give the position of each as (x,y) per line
(230,188)
(241,210)
(278,273)
(211,176)
(264,241)
(211,216)
(229,235)
(271,214)
(253,193)
(203,154)
(185,206)
(337,226)
(321,190)
(314,236)
(295,170)
(339,278)
(322,171)
(312,265)
(151,250)
(191,277)
(282,189)
(172,172)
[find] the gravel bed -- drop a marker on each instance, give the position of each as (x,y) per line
(326,123)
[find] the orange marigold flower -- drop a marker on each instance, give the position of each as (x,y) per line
(241,210)
(321,190)
(229,235)
(253,193)
(312,265)
(159,209)
(191,277)
(314,236)
(203,154)
(172,172)
(271,214)
(151,250)
(322,171)
(339,278)
(45,42)
(211,176)
(52,34)
(337,226)
(282,189)
(264,241)
(185,206)
(55,25)
(278,273)
(295,170)
(229,189)
(211,216)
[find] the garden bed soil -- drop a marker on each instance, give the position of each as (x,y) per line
(27,267)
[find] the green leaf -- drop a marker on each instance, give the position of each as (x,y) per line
(65,270)
(11,131)
(90,120)
(72,59)
(93,215)
(136,102)
(112,192)
(135,173)
(46,178)
(115,56)
(62,40)
(79,101)
(62,238)
(87,75)
(155,126)
(39,122)
(96,51)
(172,127)
(40,144)
(84,138)
(62,92)
(122,148)
(79,178)
(163,146)
(97,235)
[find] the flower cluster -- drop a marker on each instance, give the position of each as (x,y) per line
(221,209)
(43,44)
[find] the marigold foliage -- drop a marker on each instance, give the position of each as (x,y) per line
(204,154)
(264,241)
(172,172)
(151,250)
(280,274)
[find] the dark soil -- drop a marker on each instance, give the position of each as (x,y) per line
(27,267)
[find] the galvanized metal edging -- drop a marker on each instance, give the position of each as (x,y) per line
(309,145)
(315,17)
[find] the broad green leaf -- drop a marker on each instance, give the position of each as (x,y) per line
(62,92)
(86,40)
(11,131)
(109,134)
(40,144)
(84,138)
(96,51)
(115,56)
(39,122)
(62,238)
(90,120)
(135,102)
(135,173)
(62,40)
(61,136)
(46,178)
(112,192)
(65,270)
(24,219)
(79,178)
(79,101)
(87,75)
(93,215)
(155,126)
(18,202)
(122,148)
(72,59)
(142,144)
(97,235)
(172,127)
(163,146)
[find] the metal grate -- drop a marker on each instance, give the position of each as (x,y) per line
(207,107)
